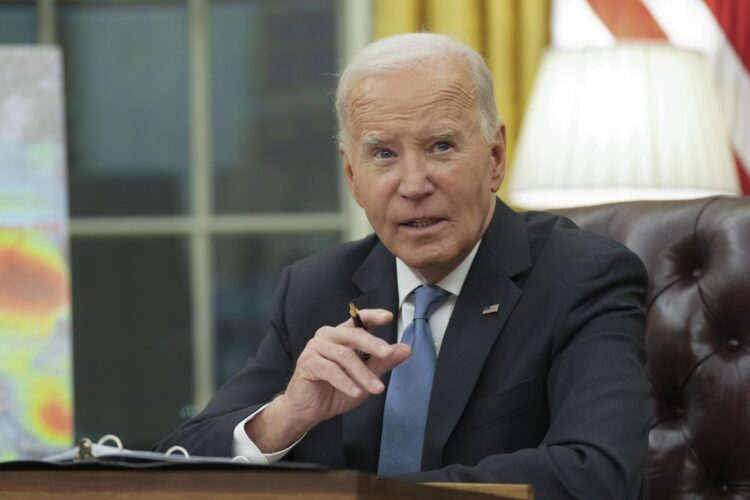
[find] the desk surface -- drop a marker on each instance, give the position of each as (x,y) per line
(228,484)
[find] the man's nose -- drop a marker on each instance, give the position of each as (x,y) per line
(415,180)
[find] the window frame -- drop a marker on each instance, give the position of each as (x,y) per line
(201,224)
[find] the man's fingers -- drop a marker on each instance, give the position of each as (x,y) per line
(357,339)
(350,362)
(334,355)
(328,371)
(371,318)
(380,366)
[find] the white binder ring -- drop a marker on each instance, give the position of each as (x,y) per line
(110,437)
(176,449)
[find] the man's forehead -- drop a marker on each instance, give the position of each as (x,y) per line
(448,78)
(435,97)
(437,73)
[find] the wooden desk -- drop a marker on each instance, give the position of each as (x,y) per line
(174,484)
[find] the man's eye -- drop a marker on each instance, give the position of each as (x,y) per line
(384,154)
(442,146)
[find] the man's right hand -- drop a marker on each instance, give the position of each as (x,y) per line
(330,379)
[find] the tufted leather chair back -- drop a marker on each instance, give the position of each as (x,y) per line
(697,254)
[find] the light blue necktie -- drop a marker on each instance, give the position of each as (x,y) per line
(408,397)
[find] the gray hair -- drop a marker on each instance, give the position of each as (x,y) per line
(397,52)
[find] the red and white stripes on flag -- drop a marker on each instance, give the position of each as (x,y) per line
(718,28)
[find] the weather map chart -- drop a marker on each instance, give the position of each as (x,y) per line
(36,415)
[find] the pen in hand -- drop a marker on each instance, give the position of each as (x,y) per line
(354,313)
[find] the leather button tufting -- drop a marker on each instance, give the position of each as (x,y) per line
(696,254)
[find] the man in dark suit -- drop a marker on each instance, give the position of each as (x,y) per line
(521,357)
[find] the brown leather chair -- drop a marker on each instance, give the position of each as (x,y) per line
(698,339)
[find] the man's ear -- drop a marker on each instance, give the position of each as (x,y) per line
(498,159)
(348,172)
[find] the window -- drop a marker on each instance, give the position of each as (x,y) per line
(201,160)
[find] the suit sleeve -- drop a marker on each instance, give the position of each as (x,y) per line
(210,433)
(597,393)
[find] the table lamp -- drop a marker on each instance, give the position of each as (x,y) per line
(632,121)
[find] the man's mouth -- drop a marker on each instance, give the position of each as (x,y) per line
(421,223)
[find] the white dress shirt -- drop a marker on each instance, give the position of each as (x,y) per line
(407,281)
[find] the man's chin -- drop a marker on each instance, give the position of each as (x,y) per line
(430,268)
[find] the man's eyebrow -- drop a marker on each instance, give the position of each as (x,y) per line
(373,140)
(443,133)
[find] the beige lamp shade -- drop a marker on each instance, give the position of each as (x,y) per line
(632,121)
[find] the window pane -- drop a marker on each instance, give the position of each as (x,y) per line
(272,69)
(246,271)
(17,22)
(132,342)
(127,106)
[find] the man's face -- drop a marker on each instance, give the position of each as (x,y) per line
(418,164)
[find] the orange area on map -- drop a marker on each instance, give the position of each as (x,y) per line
(28,284)
(56,418)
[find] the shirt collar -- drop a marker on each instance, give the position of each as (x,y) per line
(407,279)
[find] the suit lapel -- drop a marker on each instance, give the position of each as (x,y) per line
(376,278)
(503,253)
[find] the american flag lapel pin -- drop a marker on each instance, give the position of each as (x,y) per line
(493,309)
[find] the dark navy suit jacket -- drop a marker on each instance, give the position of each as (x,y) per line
(550,390)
